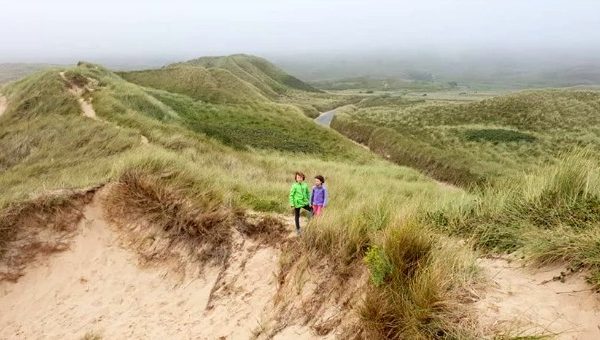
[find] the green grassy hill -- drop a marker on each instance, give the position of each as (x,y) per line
(43,122)
(210,85)
(467,143)
(238,79)
(257,71)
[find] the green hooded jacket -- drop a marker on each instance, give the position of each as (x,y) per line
(299,195)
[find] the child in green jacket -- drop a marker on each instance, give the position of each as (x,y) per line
(299,198)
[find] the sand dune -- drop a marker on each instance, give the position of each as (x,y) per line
(96,287)
(525,302)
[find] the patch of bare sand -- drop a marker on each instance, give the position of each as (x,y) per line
(97,286)
(3,104)
(524,301)
(78,91)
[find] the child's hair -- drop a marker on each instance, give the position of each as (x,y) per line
(320,178)
(298,173)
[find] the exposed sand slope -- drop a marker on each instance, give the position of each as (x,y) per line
(3,104)
(96,286)
(86,106)
(524,301)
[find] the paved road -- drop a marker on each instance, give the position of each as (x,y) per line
(325,118)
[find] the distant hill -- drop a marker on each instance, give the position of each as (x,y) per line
(237,79)
(270,79)
(212,85)
(14,71)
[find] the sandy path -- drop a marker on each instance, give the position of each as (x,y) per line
(96,286)
(521,303)
(3,104)
(86,106)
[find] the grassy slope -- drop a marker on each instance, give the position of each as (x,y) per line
(257,71)
(47,145)
(238,79)
(549,214)
(470,142)
(210,85)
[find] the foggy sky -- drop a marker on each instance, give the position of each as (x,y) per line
(67,31)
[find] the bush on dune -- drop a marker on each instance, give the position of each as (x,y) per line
(419,279)
(420,286)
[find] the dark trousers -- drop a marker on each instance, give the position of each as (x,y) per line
(297,214)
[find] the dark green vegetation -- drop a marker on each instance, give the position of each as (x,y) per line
(497,136)
(471,143)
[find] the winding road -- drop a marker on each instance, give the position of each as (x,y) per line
(325,118)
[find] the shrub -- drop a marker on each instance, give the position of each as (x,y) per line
(379,265)
(416,283)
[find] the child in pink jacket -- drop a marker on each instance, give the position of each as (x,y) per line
(318,197)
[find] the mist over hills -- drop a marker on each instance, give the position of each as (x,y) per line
(494,69)
(14,71)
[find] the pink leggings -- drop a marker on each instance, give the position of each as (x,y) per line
(317,209)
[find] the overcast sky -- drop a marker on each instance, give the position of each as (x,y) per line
(66,31)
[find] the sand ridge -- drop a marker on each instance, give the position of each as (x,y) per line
(97,287)
(526,301)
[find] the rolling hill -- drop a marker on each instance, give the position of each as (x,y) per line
(210,85)
(238,79)
(473,142)
(257,71)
